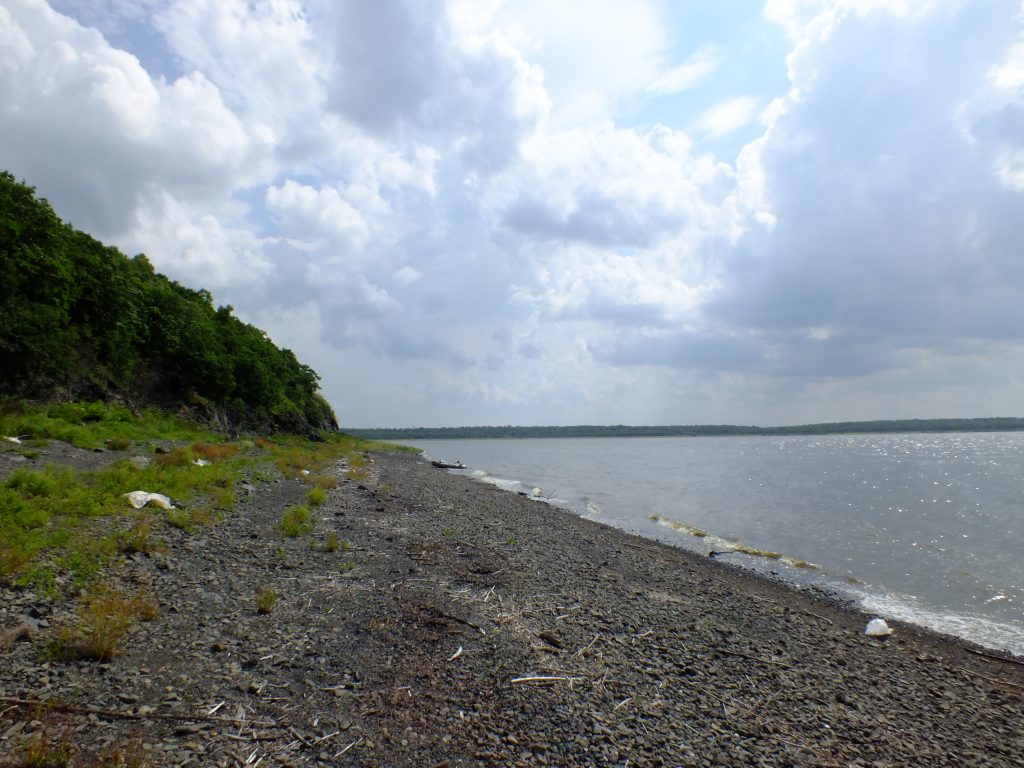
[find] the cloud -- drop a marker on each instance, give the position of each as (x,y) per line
(530,211)
(728,116)
(886,223)
(691,73)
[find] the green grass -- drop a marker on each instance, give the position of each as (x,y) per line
(295,521)
(47,513)
(91,425)
(266,599)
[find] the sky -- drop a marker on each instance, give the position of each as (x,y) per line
(469,212)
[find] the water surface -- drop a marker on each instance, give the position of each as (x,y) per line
(925,528)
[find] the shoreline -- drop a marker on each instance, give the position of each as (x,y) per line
(947,597)
(464,625)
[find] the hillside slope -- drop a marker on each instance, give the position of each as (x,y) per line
(79,319)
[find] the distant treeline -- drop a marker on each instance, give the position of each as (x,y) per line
(79,319)
(1000,424)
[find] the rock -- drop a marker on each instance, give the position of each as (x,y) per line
(139,462)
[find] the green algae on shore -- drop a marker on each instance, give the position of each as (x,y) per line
(726,545)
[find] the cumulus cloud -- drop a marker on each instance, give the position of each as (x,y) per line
(531,211)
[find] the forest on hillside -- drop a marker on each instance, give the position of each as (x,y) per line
(79,319)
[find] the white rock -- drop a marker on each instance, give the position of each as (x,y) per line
(201,462)
(877,628)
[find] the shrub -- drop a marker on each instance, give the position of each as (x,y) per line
(316,496)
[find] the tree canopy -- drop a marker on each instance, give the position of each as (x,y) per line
(80,318)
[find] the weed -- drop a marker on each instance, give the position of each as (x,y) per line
(266,598)
(119,443)
(325,481)
(332,542)
(100,627)
(136,539)
(213,451)
(295,521)
(124,755)
(40,579)
(223,497)
(49,747)
(31,454)
(347,566)
(449,532)
(316,496)
(512,541)
(357,475)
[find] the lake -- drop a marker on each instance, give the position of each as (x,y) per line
(927,528)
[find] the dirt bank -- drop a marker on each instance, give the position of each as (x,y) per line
(460,625)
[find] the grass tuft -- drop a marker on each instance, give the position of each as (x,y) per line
(296,521)
(100,627)
(266,599)
(316,496)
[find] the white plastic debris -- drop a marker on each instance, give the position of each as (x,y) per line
(13,439)
(139,499)
(201,462)
(877,628)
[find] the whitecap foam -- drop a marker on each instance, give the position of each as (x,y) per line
(986,632)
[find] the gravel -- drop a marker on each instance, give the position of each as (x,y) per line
(461,625)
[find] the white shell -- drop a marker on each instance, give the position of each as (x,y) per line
(878,628)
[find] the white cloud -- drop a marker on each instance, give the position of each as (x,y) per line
(728,116)
(304,210)
(487,197)
(689,74)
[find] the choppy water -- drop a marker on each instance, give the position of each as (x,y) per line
(924,528)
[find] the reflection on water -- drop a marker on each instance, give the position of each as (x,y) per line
(926,528)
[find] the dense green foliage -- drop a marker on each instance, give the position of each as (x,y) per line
(1006,424)
(79,318)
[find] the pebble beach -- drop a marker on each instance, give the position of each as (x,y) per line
(457,624)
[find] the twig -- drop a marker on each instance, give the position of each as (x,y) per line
(300,737)
(346,749)
(541,679)
(456,655)
(587,647)
(113,713)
